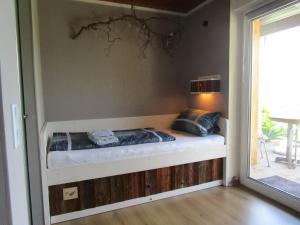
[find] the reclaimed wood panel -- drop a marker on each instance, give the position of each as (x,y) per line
(177,177)
(119,188)
(150,181)
(217,169)
(158,181)
(87,199)
(136,185)
(57,204)
(163,179)
(102,191)
(204,172)
(189,175)
(109,190)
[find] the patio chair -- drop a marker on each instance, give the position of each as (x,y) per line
(262,144)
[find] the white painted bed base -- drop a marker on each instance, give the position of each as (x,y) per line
(112,168)
(104,169)
(132,202)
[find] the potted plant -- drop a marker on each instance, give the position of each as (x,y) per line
(273,133)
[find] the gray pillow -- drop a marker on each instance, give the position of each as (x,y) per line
(198,122)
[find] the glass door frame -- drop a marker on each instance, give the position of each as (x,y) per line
(246,100)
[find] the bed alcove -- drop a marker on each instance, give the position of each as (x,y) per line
(81,88)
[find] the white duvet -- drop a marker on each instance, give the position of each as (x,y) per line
(184,142)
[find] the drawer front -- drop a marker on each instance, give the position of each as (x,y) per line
(109,190)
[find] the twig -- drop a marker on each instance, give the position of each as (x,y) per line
(169,39)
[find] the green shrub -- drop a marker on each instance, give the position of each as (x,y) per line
(270,129)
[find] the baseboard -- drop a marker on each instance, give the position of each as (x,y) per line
(132,202)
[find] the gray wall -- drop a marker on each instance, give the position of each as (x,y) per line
(81,82)
(207,52)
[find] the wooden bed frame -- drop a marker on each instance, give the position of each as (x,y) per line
(116,184)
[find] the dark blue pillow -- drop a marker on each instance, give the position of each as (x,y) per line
(198,122)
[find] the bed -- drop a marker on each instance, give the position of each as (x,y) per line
(183,142)
(81,167)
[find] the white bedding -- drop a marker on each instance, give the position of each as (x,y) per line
(184,142)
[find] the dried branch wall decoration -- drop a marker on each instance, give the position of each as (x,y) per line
(169,39)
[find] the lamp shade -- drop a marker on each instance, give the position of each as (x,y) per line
(205,84)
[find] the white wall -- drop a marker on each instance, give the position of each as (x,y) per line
(10,92)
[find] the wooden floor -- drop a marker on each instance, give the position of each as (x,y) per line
(215,206)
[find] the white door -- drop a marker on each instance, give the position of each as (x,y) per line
(11,112)
(269,109)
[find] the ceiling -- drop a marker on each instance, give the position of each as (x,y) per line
(180,6)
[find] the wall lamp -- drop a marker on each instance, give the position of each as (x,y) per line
(206,84)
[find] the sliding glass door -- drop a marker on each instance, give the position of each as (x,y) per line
(272,107)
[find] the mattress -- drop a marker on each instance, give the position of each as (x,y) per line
(79,141)
(183,142)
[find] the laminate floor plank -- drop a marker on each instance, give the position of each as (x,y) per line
(214,206)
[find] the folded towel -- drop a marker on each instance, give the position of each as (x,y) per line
(101,133)
(103,140)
